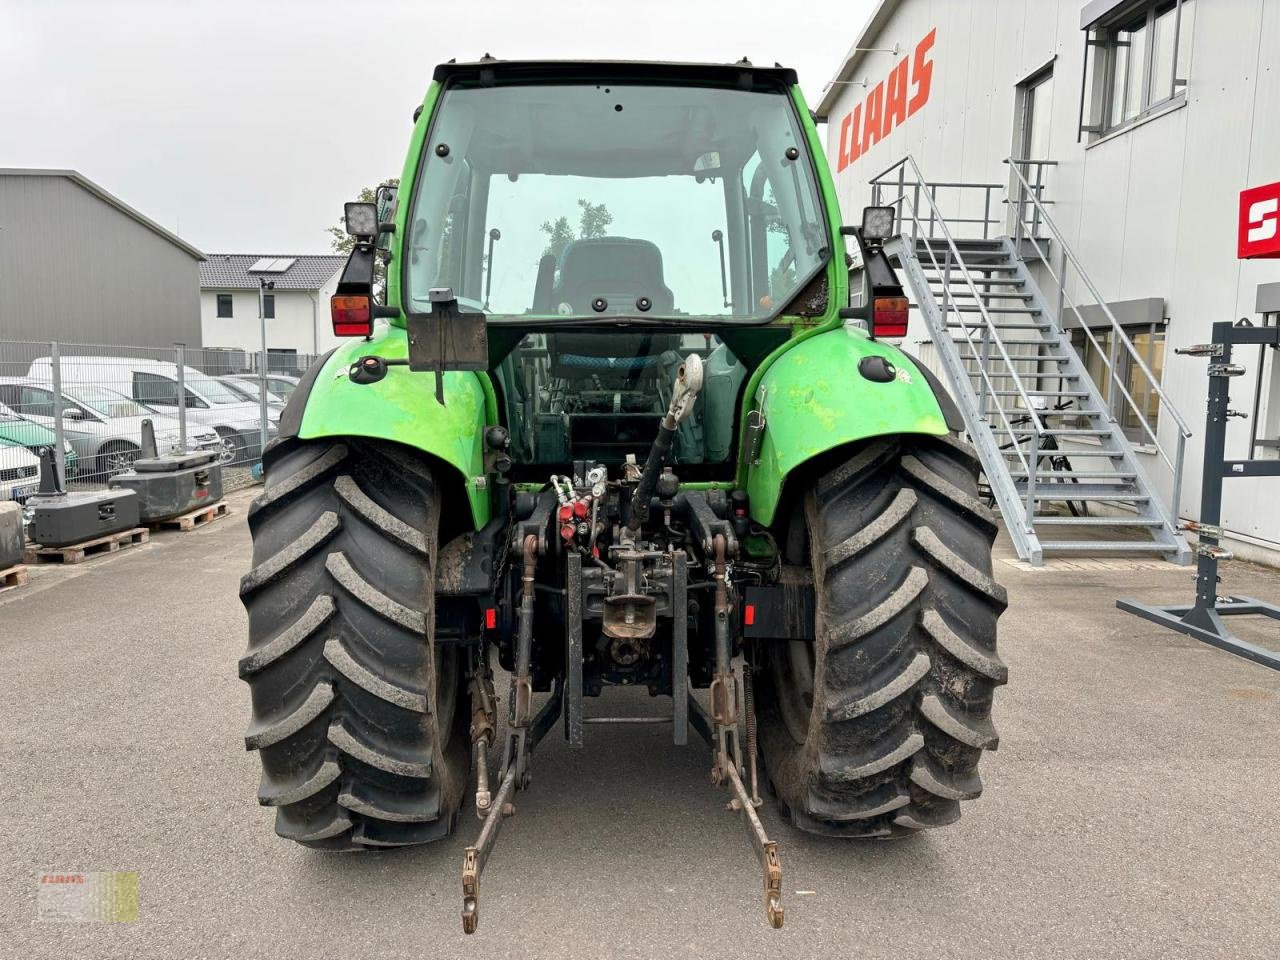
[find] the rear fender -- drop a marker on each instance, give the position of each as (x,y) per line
(815,399)
(401,408)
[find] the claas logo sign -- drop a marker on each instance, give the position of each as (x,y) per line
(1259,235)
(893,100)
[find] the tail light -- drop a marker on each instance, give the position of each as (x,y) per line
(889,317)
(352,316)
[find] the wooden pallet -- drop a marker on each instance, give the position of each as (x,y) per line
(196,518)
(13,577)
(88,549)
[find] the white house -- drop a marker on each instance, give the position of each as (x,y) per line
(1148,120)
(297,306)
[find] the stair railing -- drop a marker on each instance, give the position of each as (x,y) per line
(908,206)
(1027,195)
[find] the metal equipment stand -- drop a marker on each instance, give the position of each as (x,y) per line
(1203,619)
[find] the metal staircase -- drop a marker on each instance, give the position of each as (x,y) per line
(1056,456)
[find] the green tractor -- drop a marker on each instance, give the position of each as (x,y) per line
(615,422)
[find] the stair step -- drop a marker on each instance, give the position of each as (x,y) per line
(1098,521)
(970,243)
(1029,311)
(1109,546)
(1026,358)
(969,295)
(1084,491)
(984,282)
(1019,475)
(1057,432)
(1029,376)
(1036,325)
(1013,341)
(1069,454)
(972,267)
(1042,393)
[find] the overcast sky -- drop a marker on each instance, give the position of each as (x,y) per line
(243,126)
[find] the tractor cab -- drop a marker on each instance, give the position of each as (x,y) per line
(615,217)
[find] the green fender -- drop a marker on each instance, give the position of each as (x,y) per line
(403,408)
(814,399)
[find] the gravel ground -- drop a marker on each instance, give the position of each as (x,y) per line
(1130,811)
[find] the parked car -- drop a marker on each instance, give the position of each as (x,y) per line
(15,430)
(208,401)
(281,384)
(103,426)
(248,389)
(19,471)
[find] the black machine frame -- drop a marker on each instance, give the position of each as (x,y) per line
(1203,619)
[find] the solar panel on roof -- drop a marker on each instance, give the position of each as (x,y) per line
(272,264)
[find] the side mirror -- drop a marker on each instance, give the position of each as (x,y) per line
(75,413)
(361,220)
(386,203)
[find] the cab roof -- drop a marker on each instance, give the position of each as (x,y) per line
(743,74)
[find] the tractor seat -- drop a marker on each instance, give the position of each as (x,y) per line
(620,269)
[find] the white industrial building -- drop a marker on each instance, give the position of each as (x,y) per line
(1156,116)
(297,303)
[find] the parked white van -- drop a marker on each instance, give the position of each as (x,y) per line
(155,383)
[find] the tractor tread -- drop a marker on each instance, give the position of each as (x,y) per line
(328,772)
(275,492)
(337,655)
(315,616)
(350,744)
(356,804)
(978,733)
(846,709)
(384,520)
(373,598)
(962,570)
(940,813)
(987,664)
(842,635)
(260,736)
(278,563)
(929,776)
(836,774)
(881,527)
(942,487)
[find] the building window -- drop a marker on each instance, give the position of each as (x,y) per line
(224,306)
(1148,340)
(1136,64)
(269,306)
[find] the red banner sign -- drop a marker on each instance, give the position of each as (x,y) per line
(893,100)
(1259,235)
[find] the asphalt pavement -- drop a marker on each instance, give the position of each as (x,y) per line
(1131,810)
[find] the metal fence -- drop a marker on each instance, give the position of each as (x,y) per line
(88,402)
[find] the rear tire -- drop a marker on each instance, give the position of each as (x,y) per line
(358,716)
(877,727)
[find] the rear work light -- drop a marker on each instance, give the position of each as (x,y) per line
(889,317)
(352,316)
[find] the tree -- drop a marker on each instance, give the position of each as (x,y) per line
(593,220)
(338,238)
